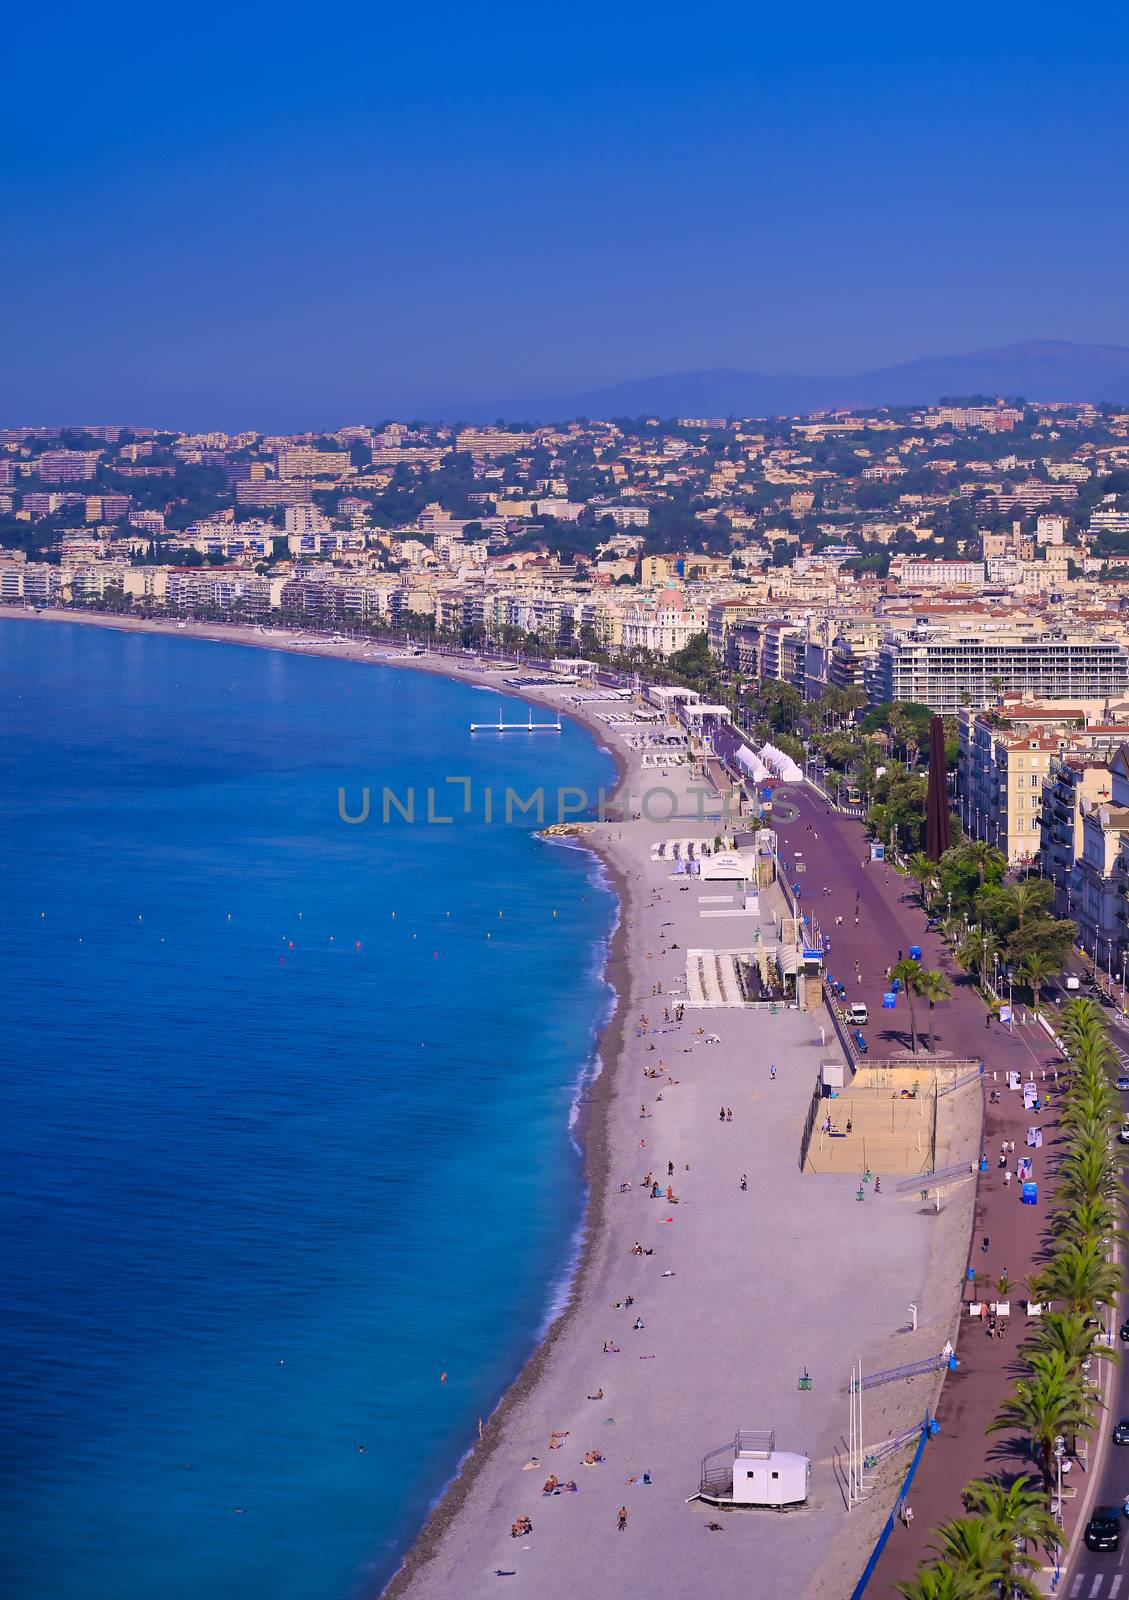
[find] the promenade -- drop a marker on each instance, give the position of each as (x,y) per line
(889,921)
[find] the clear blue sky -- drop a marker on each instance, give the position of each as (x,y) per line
(292,216)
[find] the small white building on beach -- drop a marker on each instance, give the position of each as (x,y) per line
(753,1472)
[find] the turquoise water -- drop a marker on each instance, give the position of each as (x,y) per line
(286,1134)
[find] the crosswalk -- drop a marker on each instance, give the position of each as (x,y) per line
(1097,1585)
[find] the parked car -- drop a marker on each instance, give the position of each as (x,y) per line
(1123,1081)
(1121,1431)
(1125,1331)
(1123,1133)
(1103,1531)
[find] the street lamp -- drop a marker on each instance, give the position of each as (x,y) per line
(1060,1452)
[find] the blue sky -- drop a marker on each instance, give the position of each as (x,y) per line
(289,217)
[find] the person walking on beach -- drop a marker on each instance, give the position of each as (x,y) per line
(772,1072)
(744,1182)
(621,1519)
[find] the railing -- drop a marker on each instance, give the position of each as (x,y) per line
(809,1125)
(912,1369)
(888,1526)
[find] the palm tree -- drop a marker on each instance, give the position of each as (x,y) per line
(1037,968)
(923,871)
(1081,1276)
(940,1581)
(1068,1333)
(1086,1174)
(982,855)
(980,1548)
(1022,896)
(1050,1400)
(1017,1512)
(1082,1019)
(978,951)
(1084,1220)
(932,985)
(907,972)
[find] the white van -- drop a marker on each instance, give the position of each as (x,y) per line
(1071,983)
(857,1015)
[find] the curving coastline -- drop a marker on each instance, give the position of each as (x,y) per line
(588,1129)
(717,1261)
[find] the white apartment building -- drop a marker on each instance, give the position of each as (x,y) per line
(943,574)
(663,623)
(945,668)
(305,519)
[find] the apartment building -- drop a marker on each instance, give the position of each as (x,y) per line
(964,664)
(941,574)
(1072,777)
(305,518)
(1001,776)
(487,442)
(662,623)
(302,461)
(67,466)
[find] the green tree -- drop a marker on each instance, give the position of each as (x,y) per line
(1050,1400)
(980,1548)
(924,873)
(1081,1276)
(1017,1514)
(907,972)
(938,1580)
(932,986)
(1037,967)
(978,951)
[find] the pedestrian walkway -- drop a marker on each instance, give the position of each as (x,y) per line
(1007,1235)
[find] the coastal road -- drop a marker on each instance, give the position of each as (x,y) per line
(831,848)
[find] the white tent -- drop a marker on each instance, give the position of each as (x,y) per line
(782,766)
(751,763)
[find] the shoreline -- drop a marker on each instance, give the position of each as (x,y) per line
(590,1130)
(828,1248)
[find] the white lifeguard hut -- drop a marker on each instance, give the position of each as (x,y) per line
(753,1472)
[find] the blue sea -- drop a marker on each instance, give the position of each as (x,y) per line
(286,1107)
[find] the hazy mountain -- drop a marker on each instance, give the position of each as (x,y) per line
(1042,369)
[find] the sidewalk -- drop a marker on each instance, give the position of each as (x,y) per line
(832,850)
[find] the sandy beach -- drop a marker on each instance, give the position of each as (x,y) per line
(740,1293)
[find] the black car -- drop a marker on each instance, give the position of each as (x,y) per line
(1121,1431)
(1124,1331)
(1103,1531)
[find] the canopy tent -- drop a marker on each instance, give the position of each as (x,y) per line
(782,766)
(751,763)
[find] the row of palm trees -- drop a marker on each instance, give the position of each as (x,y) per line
(991,1550)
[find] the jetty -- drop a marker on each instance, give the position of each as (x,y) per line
(516,727)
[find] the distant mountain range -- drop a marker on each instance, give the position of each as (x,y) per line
(1042,369)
